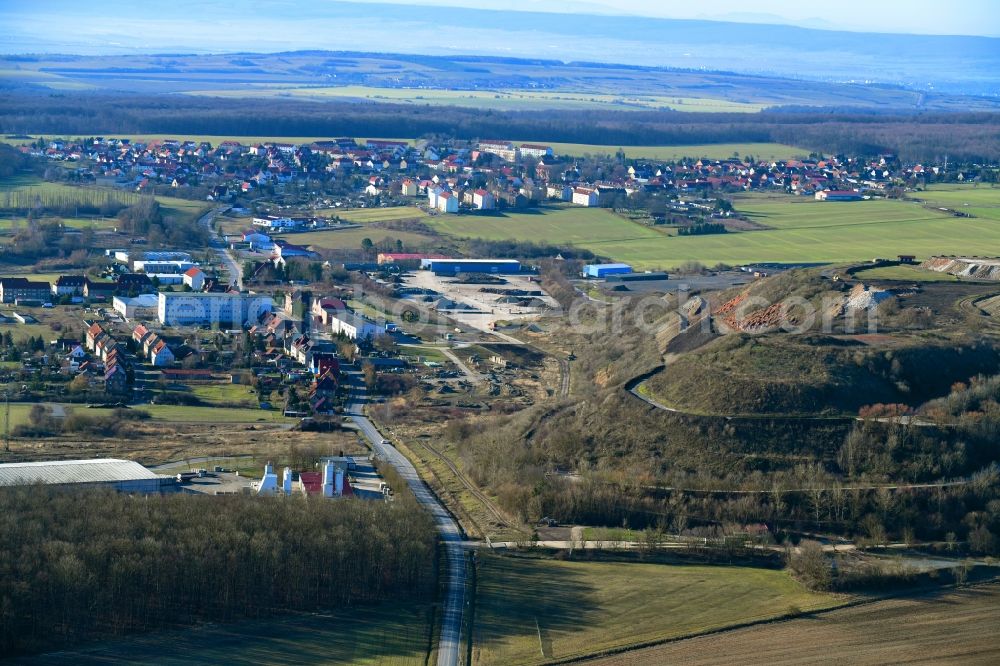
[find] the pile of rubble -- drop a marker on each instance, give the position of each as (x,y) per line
(761,321)
(862,297)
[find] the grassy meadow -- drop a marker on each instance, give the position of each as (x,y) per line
(171,206)
(532,611)
(206,414)
(369,215)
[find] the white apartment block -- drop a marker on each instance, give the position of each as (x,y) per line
(214,309)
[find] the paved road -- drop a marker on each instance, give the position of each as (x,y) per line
(451,535)
(225,256)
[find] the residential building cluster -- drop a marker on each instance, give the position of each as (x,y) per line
(455,175)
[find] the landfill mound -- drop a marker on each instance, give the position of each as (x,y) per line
(977,268)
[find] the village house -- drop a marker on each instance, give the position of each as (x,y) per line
(483,200)
(194,277)
(585,196)
(447,202)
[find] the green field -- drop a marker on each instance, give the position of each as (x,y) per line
(799,230)
(982,201)
(666,153)
(493,99)
(904,273)
(6,223)
(592,228)
(367,215)
(186,414)
(531,611)
(385,635)
(223,394)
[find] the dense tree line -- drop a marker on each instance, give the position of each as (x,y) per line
(84,564)
(962,136)
(481,247)
(12,161)
(702,229)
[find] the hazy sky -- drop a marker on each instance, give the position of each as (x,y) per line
(931,17)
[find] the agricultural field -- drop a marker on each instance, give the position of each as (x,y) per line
(531,610)
(955,627)
(713,151)
(798,230)
(979,200)
(514,100)
(596,229)
(387,635)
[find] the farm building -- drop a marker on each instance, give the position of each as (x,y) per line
(456,266)
(124,475)
(838,195)
(585,196)
(604,270)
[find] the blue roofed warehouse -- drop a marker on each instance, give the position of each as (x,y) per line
(456,266)
(604,270)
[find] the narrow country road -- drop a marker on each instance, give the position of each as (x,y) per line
(471,375)
(454,605)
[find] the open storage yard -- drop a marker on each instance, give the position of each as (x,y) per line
(953,627)
(532,610)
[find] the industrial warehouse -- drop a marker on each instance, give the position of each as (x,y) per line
(123,475)
(456,266)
